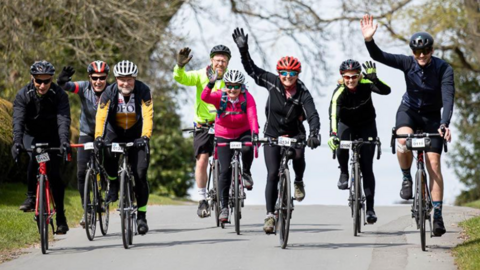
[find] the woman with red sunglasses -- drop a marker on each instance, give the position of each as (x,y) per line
(352,116)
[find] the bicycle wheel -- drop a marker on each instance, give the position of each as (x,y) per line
(43,214)
(131,215)
(89,204)
(103,207)
(356,201)
(236,197)
(124,212)
(285,208)
(421,208)
(216,204)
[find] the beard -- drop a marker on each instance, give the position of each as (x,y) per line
(125,90)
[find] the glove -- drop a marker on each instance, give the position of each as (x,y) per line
(313,140)
(183,57)
(254,137)
(16,149)
(370,71)
(98,144)
(333,142)
(141,142)
(65,75)
(241,39)
(212,75)
(66,150)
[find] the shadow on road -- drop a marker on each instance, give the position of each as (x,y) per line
(343,245)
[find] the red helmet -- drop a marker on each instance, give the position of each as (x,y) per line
(98,67)
(289,63)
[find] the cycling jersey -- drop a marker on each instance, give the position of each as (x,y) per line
(89,99)
(355,108)
(132,118)
(429,88)
(284,115)
(199,79)
(46,116)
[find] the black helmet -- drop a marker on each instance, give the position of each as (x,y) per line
(220,49)
(349,65)
(98,67)
(42,67)
(421,40)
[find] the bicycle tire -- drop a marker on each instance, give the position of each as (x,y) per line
(285,209)
(421,210)
(123,212)
(236,198)
(89,204)
(104,211)
(356,201)
(217,193)
(42,214)
(130,212)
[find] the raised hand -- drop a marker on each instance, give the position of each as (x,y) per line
(183,57)
(240,39)
(212,74)
(368,28)
(65,75)
(370,71)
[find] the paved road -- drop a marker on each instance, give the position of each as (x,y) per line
(321,238)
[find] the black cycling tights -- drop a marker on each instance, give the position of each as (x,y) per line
(272,159)
(367,152)
(224,158)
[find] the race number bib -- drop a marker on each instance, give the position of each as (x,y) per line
(235,145)
(418,142)
(284,141)
(211,130)
(117,148)
(88,146)
(43,157)
(345,144)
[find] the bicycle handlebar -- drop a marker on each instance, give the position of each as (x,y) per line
(416,136)
(223,144)
(360,142)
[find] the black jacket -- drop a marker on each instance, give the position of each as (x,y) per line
(355,108)
(284,116)
(46,117)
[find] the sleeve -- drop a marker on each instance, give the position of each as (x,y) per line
(310,111)
(189,78)
(102,112)
(397,61)
(19,112)
(261,77)
(448,95)
(72,87)
(252,113)
(212,98)
(377,86)
(147,114)
(63,117)
(334,109)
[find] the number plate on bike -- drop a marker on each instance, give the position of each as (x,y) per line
(418,142)
(235,145)
(88,146)
(284,141)
(43,157)
(211,130)
(345,144)
(117,148)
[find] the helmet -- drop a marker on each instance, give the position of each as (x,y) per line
(421,40)
(125,68)
(98,67)
(289,63)
(349,65)
(233,76)
(220,49)
(42,67)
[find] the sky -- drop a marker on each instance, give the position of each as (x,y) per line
(322,173)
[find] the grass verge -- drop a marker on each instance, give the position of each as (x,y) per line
(467,254)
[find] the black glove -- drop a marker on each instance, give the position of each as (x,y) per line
(370,71)
(98,144)
(183,57)
(254,137)
(141,142)
(16,149)
(241,39)
(65,75)
(313,140)
(66,149)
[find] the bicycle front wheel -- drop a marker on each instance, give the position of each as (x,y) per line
(124,210)
(285,208)
(89,204)
(356,201)
(421,208)
(104,207)
(216,204)
(236,198)
(43,214)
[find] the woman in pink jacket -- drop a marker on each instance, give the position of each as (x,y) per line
(236,121)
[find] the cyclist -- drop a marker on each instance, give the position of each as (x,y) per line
(352,116)
(289,104)
(125,114)
(204,114)
(41,114)
(430,86)
(89,93)
(236,121)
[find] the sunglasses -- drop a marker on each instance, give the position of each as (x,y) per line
(101,78)
(285,73)
(236,87)
(47,81)
(425,51)
(353,77)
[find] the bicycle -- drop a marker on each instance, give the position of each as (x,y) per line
(95,191)
(422,199)
(237,189)
(213,197)
(284,206)
(356,198)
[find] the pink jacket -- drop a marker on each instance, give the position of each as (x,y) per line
(233,125)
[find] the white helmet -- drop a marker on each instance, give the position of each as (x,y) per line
(125,68)
(234,76)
